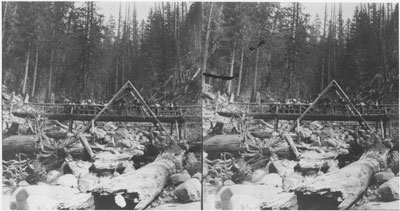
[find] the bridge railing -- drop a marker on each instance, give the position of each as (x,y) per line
(132,110)
(297,109)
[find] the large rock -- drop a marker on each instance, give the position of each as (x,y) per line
(121,133)
(109,126)
(389,190)
(68,180)
(88,182)
(59,194)
(282,167)
(291,182)
(52,176)
(246,196)
(272,180)
(189,191)
(257,175)
(305,133)
(179,178)
(38,202)
(383,176)
(241,202)
(99,133)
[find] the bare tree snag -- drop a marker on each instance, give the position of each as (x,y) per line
(35,73)
(26,73)
(204,66)
(240,70)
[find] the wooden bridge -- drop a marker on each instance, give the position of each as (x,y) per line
(129,113)
(325,113)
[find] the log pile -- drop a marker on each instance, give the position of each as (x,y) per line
(321,165)
(113,165)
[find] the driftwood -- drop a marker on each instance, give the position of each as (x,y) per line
(20,143)
(224,143)
(339,189)
(138,188)
(394,205)
(262,134)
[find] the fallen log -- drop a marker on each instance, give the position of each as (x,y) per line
(394,205)
(341,188)
(224,143)
(20,143)
(138,188)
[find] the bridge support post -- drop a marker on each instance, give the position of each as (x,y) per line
(171,128)
(185,131)
(178,130)
(71,123)
(276,125)
(383,129)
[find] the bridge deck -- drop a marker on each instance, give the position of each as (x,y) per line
(331,113)
(126,114)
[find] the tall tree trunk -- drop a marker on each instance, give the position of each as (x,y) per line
(4,16)
(254,91)
(240,71)
(35,73)
(26,73)
(231,71)
(323,52)
(205,55)
(116,78)
(176,33)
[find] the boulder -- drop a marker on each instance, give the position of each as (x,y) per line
(383,176)
(228,182)
(282,167)
(241,202)
(23,183)
(305,133)
(292,181)
(189,191)
(52,176)
(39,202)
(273,180)
(88,182)
(68,180)
(57,193)
(99,133)
(179,178)
(389,190)
(121,133)
(257,175)
(109,126)
(197,176)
